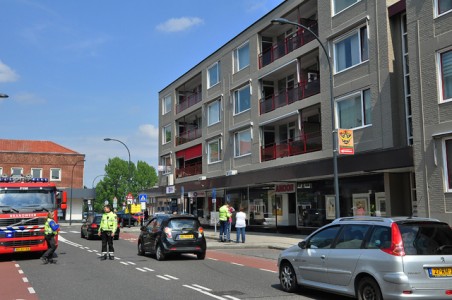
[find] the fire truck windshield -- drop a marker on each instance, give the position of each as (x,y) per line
(27,200)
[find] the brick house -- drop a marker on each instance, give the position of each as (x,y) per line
(59,164)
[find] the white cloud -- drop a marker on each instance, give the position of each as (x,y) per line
(179,24)
(7,74)
(149,131)
(28,98)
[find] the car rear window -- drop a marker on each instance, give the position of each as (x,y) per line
(179,224)
(426,238)
(97,219)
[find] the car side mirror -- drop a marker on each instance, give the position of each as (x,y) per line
(302,244)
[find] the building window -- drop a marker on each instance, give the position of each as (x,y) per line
(355,110)
(351,50)
(447,150)
(55,174)
(213,112)
(167,104)
(340,5)
(214,151)
(443,6)
(36,173)
(166,164)
(17,171)
(242,57)
(445,75)
(242,142)
(1,171)
(166,134)
(213,75)
(242,99)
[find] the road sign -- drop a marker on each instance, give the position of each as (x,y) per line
(106,202)
(214,193)
(143,198)
(129,198)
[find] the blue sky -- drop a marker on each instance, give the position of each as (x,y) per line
(77,71)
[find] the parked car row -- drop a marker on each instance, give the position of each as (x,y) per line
(90,228)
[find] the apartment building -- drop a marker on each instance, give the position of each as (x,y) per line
(252,122)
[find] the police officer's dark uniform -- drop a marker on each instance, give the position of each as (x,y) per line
(107,228)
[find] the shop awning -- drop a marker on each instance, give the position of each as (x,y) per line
(190,153)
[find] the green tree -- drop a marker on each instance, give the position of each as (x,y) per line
(116,182)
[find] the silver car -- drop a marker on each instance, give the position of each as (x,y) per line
(373,258)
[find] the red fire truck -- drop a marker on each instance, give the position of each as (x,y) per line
(24,204)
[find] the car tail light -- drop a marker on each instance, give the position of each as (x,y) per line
(168,233)
(201,230)
(396,247)
(449,292)
(94,225)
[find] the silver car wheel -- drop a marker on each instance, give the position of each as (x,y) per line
(368,289)
(287,278)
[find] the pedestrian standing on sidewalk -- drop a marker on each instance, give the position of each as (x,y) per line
(240,224)
(224,221)
(231,211)
(107,228)
(50,231)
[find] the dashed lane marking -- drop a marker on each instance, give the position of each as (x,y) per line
(271,271)
(237,264)
(31,290)
(141,270)
(163,277)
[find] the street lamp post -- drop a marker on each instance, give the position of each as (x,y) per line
(92,185)
(282,21)
(130,173)
(72,180)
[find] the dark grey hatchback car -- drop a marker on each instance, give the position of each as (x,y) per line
(166,234)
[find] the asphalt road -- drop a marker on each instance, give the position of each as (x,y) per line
(80,274)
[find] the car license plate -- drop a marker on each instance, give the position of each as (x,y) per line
(22,249)
(186,236)
(440,272)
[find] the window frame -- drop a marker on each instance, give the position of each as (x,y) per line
(237,67)
(39,170)
(213,141)
(447,173)
(239,153)
(333,7)
(164,135)
(352,96)
(59,174)
(17,168)
(237,99)
(209,83)
(167,168)
(441,90)
(355,32)
(437,7)
(164,104)
(209,105)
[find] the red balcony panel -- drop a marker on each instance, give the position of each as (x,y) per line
(188,136)
(189,170)
(188,101)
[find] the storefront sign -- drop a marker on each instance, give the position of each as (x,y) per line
(346,144)
(285,188)
(170,189)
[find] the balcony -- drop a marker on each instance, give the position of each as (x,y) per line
(299,38)
(303,90)
(305,143)
(189,170)
(188,100)
(188,136)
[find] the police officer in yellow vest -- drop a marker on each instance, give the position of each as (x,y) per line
(50,231)
(224,215)
(107,228)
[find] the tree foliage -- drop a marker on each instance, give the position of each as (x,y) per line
(121,179)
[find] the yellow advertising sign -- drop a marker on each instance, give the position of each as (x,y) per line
(346,145)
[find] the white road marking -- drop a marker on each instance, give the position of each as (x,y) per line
(163,277)
(212,258)
(21,272)
(140,269)
(202,287)
(204,292)
(172,277)
(231,297)
(24,279)
(31,290)
(62,231)
(73,231)
(149,269)
(131,262)
(124,263)
(271,271)
(17,265)
(237,264)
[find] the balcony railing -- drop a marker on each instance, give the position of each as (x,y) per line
(188,136)
(303,144)
(295,41)
(303,90)
(189,170)
(188,101)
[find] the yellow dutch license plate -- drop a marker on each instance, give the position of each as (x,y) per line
(186,236)
(441,272)
(22,249)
